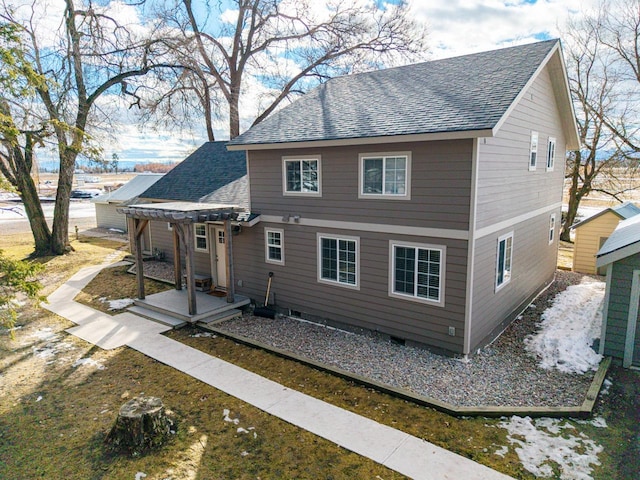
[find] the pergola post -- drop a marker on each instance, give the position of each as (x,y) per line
(229,261)
(187,230)
(138,227)
(177,260)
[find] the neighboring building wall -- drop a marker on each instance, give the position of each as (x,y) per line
(532,268)
(296,287)
(108,217)
(589,237)
(506,187)
(618,308)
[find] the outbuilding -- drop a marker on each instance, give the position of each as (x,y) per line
(620,255)
(592,232)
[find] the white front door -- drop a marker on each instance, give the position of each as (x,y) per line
(220,253)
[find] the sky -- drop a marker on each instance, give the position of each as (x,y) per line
(455,27)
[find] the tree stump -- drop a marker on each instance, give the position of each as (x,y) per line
(142,424)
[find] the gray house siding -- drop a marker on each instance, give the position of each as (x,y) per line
(618,308)
(162,240)
(108,217)
(506,187)
(440,186)
(296,287)
(533,268)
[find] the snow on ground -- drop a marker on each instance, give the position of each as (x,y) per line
(77,209)
(89,362)
(548,441)
(568,329)
(118,304)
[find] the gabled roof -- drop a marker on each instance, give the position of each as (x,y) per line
(129,190)
(461,97)
(624,210)
(623,242)
(205,171)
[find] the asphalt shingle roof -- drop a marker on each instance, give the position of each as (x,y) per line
(205,171)
(466,93)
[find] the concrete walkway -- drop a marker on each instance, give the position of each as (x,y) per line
(397,450)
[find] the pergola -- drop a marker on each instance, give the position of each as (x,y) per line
(182,216)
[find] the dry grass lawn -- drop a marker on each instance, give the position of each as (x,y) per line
(60,395)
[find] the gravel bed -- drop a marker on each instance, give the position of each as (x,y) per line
(501,374)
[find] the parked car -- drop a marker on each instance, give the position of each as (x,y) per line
(88,193)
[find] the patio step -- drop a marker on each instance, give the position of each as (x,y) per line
(220,317)
(156,316)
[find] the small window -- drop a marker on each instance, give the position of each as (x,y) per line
(274,246)
(200,233)
(552,227)
(338,260)
(385,176)
(301,176)
(417,272)
(503,263)
(533,151)
(551,153)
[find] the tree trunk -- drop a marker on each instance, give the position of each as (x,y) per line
(142,424)
(60,233)
(234,112)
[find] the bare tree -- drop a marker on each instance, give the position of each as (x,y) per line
(605,112)
(87,55)
(279,47)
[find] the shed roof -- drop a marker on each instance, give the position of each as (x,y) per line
(623,242)
(466,94)
(624,210)
(202,173)
(130,190)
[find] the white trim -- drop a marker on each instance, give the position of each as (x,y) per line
(301,158)
(266,245)
(246,155)
(505,281)
(605,309)
(196,236)
(552,228)
(380,140)
(441,274)
(170,226)
(533,148)
(331,236)
(496,227)
(632,320)
(374,227)
(619,254)
(471,248)
(384,155)
(551,153)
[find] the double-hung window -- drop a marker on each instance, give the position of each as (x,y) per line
(503,262)
(200,237)
(551,153)
(385,175)
(533,151)
(338,260)
(274,245)
(417,272)
(552,227)
(301,176)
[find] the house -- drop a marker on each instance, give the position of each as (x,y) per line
(620,255)
(107,203)
(592,232)
(422,202)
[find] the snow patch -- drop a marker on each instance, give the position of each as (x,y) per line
(227,418)
(140,475)
(39,398)
(545,442)
(502,451)
(203,335)
(89,362)
(597,422)
(568,328)
(118,304)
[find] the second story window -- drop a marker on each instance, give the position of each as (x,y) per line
(301,176)
(533,151)
(551,153)
(385,176)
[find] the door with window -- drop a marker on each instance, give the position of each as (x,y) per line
(220,256)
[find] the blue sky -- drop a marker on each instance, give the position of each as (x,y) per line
(455,27)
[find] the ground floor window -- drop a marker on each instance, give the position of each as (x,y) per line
(200,234)
(503,262)
(274,245)
(338,260)
(417,271)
